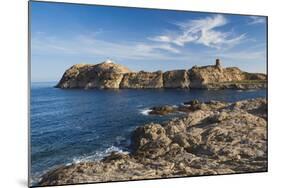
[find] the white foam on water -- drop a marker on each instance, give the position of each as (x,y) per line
(145,111)
(97,155)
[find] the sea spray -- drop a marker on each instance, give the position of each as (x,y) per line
(98,155)
(145,111)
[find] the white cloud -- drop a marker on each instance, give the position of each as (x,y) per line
(89,45)
(142,47)
(201,31)
(256,20)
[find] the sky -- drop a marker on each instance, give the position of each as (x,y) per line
(141,39)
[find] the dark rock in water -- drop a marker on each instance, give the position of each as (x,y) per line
(108,75)
(217,138)
(162,110)
(192,102)
(184,108)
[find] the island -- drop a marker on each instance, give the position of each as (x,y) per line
(109,75)
(206,138)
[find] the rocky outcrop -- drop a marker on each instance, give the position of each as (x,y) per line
(217,77)
(213,138)
(162,110)
(222,78)
(142,80)
(103,75)
(176,79)
(111,75)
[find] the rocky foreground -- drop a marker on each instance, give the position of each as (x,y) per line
(109,75)
(213,138)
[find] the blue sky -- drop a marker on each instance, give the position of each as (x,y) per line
(141,39)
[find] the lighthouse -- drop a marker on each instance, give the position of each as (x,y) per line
(108,61)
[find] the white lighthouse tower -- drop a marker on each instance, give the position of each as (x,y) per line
(108,61)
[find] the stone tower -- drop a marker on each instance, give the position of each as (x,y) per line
(218,64)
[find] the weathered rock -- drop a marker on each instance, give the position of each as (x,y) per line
(221,138)
(192,102)
(103,75)
(162,110)
(111,75)
(176,79)
(187,107)
(217,77)
(150,141)
(142,80)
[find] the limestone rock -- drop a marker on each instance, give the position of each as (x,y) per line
(221,138)
(217,77)
(103,75)
(176,79)
(111,75)
(142,80)
(162,110)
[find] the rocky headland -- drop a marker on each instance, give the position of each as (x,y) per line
(211,138)
(109,75)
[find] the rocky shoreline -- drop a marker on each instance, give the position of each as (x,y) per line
(212,138)
(109,75)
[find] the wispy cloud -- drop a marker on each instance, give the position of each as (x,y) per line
(256,20)
(89,45)
(202,31)
(90,49)
(85,45)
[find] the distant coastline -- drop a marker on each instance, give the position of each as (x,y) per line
(109,75)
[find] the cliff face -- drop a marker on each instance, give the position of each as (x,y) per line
(103,75)
(142,80)
(176,79)
(200,77)
(111,75)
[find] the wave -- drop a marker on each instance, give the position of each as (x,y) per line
(96,156)
(145,111)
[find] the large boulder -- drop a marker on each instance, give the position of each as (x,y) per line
(150,141)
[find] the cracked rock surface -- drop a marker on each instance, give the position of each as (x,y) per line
(213,138)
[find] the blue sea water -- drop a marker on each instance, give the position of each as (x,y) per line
(74,125)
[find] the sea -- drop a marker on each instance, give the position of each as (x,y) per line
(74,125)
